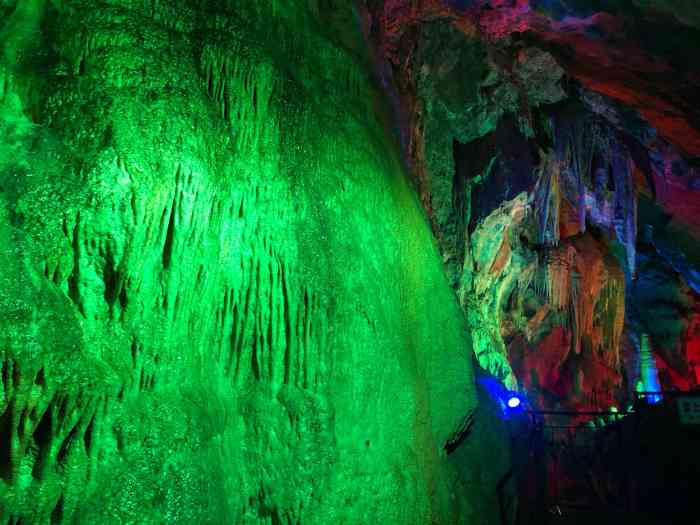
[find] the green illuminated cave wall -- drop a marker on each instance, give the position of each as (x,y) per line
(220,300)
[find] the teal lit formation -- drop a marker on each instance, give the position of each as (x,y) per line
(649,374)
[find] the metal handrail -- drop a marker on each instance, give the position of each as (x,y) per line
(576,412)
(672,393)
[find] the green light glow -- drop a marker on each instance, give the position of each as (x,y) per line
(221,301)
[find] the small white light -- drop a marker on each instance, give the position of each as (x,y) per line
(514,402)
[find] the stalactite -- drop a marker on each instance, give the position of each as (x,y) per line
(612,319)
(547,197)
(625,206)
(559,281)
(576,139)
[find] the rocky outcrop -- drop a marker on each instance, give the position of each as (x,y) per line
(555,149)
(221,302)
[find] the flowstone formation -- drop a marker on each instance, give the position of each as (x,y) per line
(221,301)
(555,147)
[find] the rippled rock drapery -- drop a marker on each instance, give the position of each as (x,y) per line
(221,302)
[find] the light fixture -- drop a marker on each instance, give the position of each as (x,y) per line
(513,402)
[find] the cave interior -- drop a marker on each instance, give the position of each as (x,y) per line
(298,262)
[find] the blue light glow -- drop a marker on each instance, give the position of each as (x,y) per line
(514,402)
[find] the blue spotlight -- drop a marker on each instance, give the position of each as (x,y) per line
(513,402)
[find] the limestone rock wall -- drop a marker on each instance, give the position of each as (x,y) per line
(220,300)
